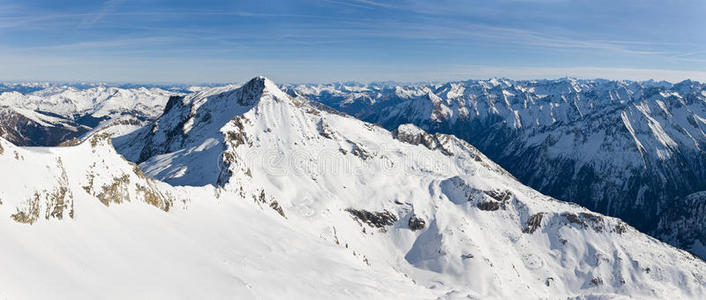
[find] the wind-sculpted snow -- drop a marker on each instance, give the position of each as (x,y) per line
(627,149)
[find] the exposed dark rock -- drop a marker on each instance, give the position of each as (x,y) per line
(173,101)
(596,221)
(415,223)
(621,227)
(596,281)
(533,223)
(501,196)
(275,205)
(58,204)
(586,220)
(574,219)
(30,214)
(251,91)
(324,130)
(116,192)
(489,205)
(360,152)
(374,219)
(411,134)
(235,138)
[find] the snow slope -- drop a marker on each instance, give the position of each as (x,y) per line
(82,223)
(430,208)
(626,149)
(280,198)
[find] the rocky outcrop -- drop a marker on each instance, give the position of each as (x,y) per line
(374,219)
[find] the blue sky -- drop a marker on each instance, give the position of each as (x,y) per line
(339,40)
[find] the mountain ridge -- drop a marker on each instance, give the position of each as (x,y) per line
(628,149)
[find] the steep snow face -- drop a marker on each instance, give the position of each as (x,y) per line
(428,212)
(626,149)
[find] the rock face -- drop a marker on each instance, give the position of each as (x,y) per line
(626,149)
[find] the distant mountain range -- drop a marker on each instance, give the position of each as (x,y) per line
(632,150)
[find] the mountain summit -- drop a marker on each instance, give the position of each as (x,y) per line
(189,134)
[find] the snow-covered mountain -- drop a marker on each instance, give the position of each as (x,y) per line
(53,114)
(31,128)
(98,102)
(274,197)
(626,149)
(428,207)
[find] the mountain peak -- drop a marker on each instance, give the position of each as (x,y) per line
(257,88)
(193,124)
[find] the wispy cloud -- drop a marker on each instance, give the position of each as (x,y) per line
(112,43)
(375,3)
(107,8)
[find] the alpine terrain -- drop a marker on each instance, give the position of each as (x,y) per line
(51,114)
(633,150)
(245,191)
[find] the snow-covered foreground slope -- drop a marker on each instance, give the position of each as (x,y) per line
(300,202)
(626,149)
(82,223)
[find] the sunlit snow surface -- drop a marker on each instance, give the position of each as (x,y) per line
(240,154)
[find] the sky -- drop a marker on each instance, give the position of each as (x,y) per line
(179,41)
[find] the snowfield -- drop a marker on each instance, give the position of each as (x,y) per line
(250,193)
